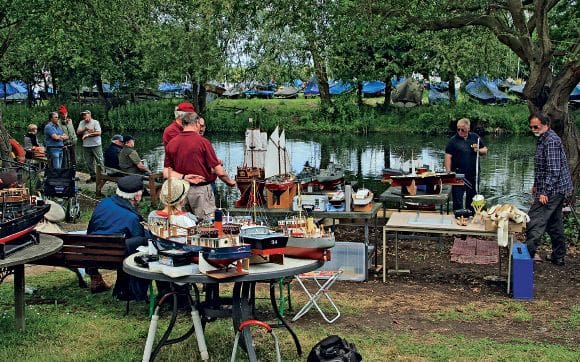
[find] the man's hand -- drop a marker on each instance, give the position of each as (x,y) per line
(543,199)
(194,179)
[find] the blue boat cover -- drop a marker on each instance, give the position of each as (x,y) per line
(374,87)
(298,83)
(335,87)
(14,87)
(575,95)
(485,91)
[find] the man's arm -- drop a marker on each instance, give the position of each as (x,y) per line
(220,171)
(447,162)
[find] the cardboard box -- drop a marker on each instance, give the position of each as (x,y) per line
(513,227)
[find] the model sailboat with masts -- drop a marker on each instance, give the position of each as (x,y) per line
(277,169)
(256,143)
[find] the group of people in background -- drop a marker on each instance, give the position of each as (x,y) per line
(60,139)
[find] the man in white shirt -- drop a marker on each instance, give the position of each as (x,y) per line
(89,130)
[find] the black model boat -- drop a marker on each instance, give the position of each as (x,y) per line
(263,240)
(19,214)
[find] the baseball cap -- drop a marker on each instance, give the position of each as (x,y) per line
(86,112)
(117,137)
(185,107)
(127,138)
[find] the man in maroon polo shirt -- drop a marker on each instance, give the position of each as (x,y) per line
(176,127)
(191,157)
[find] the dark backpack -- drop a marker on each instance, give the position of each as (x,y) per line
(334,349)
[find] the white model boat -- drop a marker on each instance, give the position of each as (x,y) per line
(362,197)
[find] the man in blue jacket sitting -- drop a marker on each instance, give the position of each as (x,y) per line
(118,214)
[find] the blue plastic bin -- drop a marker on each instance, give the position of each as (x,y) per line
(522,272)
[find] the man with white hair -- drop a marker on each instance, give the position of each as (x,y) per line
(176,127)
(118,214)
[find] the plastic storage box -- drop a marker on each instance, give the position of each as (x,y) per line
(522,272)
(350,257)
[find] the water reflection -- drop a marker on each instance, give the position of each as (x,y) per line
(506,172)
(506,176)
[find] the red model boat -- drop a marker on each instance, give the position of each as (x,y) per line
(277,169)
(252,169)
(19,214)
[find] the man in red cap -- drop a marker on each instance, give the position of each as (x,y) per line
(192,158)
(176,127)
(69,149)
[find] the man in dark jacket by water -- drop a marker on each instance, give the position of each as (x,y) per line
(461,157)
(118,214)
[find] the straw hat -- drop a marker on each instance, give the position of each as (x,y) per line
(178,192)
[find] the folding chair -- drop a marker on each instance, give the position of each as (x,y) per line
(318,276)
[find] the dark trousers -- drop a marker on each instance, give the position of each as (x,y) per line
(547,218)
(457,193)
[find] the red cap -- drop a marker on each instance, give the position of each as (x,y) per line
(185,107)
(62,109)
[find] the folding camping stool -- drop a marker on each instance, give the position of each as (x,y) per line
(318,276)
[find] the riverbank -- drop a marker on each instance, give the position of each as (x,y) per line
(345,116)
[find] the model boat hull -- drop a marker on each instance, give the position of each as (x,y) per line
(316,248)
(263,240)
(20,221)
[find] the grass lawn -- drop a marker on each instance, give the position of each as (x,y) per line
(64,322)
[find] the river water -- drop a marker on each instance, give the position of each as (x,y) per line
(506,172)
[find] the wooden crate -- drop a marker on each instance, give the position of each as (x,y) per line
(283,200)
(366,208)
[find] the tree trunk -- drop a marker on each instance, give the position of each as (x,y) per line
(452,89)
(321,74)
(102,97)
(359,93)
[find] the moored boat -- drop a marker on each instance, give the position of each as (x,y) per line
(331,177)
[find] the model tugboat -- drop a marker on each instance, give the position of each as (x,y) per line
(306,239)
(19,214)
(218,249)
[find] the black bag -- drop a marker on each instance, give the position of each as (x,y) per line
(334,349)
(60,182)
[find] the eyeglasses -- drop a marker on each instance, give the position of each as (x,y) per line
(535,127)
(461,130)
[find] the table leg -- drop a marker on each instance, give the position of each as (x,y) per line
(281,318)
(19,297)
(397,270)
(384,255)
(366,249)
(242,308)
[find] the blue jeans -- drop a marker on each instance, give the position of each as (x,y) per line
(55,155)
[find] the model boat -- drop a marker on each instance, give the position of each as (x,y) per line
(253,168)
(218,249)
(277,169)
(331,177)
(263,240)
(19,213)
(306,239)
(362,197)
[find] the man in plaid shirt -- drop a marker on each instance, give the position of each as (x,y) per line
(552,183)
